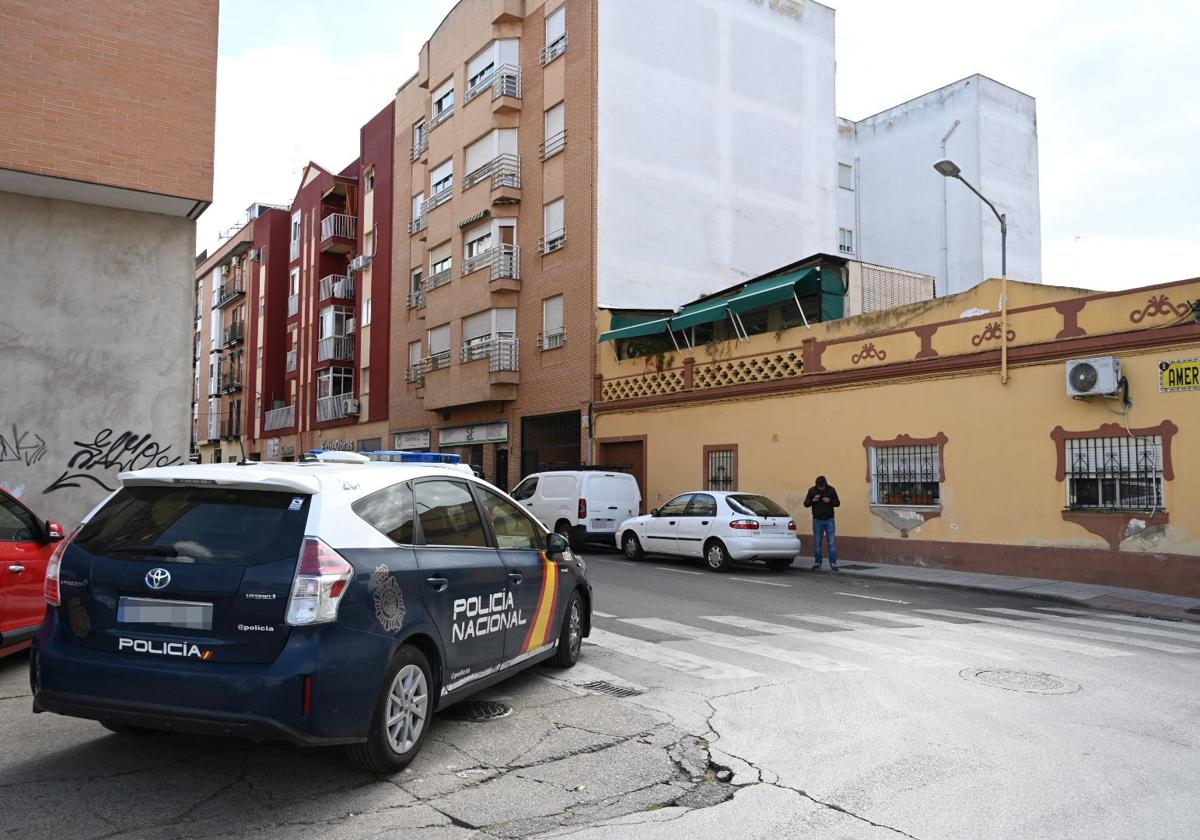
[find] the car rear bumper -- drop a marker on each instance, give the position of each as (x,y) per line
(763,547)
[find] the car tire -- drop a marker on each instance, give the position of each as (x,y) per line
(406,698)
(716,556)
(126,729)
(570,635)
(780,564)
(564,530)
(631,547)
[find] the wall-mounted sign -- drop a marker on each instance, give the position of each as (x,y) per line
(1179,375)
(418,439)
(337,445)
(478,433)
(273,448)
(287,450)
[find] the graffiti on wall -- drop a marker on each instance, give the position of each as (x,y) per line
(107,452)
(21,446)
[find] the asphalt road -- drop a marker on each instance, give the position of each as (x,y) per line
(757,705)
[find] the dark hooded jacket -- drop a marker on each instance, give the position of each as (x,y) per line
(822,510)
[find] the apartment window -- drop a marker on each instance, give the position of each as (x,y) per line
(440,259)
(845,176)
(489,334)
(720,467)
(846,240)
(417,201)
(294,250)
(294,282)
(554,227)
(214,324)
(439,347)
(442,178)
(418,133)
(906,474)
(480,69)
(415,368)
(553,331)
(477,241)
(555,138)
(333,382)
(1115,473)
(556,35)
(366,312)
(414,283)
(443,100)
(260,357)
(369,180)
(333,321)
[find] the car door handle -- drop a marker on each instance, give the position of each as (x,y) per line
(613,507)
(438,583)
(704,522)
(17,569)
(672,522)
(515,577)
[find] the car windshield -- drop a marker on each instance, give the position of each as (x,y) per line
(202,525)
(755,505)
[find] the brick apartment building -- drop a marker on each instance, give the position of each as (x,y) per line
(106,160)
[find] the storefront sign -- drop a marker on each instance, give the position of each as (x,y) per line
(418,439)
(288,450)
(337,445)
(478,433)
(1179,375)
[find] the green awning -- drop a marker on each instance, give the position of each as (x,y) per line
(776,290)
(653,327)
(695,314)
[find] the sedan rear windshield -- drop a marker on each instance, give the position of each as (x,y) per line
(208,526)
(755,505)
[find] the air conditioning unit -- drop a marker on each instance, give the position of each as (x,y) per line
(1098,377)
(360,262)
(351,406)
(256,254)
(351,325)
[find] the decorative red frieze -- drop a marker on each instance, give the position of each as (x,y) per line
(811,355)
(1166,430)
(1069,310)
(925,333)
(992,332)
(907,440)
(689,373)
(1159,305)
(868,352)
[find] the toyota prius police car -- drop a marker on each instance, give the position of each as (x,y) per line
(338,600)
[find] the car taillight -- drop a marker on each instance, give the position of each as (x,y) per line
(322,576)
(791,524)
(583,508)
(744,524)
(50,583)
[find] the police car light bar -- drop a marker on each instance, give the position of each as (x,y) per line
(400,456)
(334,456)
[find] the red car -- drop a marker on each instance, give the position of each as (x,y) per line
(26,544)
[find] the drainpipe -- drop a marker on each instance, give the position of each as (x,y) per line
(946,214)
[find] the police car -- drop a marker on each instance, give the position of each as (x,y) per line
(335,601)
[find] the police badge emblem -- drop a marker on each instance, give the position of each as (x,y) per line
(81,624)
(389,600)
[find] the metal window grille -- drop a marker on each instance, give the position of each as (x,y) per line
(720,469)
(1115,473)
(906,475)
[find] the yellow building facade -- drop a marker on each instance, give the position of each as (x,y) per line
(947,429)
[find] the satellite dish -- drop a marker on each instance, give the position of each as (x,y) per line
(1084,377)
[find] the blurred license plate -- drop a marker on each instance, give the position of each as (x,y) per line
(192,615)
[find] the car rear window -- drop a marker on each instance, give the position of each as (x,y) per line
(755,505)
(208,526)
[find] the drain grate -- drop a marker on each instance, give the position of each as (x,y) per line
(612,690)
(477,711)
(857,567)
(1026,681)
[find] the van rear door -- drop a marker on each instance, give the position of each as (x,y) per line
(611,499)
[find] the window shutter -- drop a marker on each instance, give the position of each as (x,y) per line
(441,172)
(418,200)
(439,253)
(552,315)
(414,352)
(554,217)
(556,24)
(506,322)
(443,89)
(478,153)
(439,339)
(477,326)
(555,120)
(483,59)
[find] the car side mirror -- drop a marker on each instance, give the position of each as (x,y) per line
(557,545)
(54,531)
(654,512)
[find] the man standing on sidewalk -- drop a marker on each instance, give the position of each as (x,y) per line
(823,498)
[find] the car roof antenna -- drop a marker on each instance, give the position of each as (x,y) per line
(242,444)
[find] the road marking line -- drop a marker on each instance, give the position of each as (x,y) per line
(607,560)
(761,582)
(916,634)
(681,571)
(897,654)
(746,644)
(1137,619)
(676,660)
(602,614)
(871,598)
(1104,625)
(1065,631)
(997,633)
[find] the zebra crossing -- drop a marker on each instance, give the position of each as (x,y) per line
(732,647)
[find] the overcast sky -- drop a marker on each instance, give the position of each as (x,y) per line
(1116,87)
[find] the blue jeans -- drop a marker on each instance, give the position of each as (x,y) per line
(823,527)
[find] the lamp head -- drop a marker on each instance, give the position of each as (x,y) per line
(948,168)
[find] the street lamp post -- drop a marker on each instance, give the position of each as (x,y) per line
(950,169)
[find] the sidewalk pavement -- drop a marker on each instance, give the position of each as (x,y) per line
(1113,598)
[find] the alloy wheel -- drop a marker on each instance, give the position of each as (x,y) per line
(407,708)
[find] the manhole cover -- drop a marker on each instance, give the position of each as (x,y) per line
(1027,681)
(613,690)
(477,711)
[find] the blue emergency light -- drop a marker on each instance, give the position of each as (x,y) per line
(400,456)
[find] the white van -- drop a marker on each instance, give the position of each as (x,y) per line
(582,505)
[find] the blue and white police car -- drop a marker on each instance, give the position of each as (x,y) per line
(338,600)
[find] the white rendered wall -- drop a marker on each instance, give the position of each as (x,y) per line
(716,142)
(906,215)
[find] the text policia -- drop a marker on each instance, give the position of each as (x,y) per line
(475,616)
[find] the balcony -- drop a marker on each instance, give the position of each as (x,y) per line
(234,334)
(503,352)
(416,299)
(505,81)
(554,49)
(279,418)
(336,348)
(488,374)
(231,428)
(436,200)
(338,233)
(553,144)
(552,241)
(421,145)
(552,340)
(293,305)
(337,286)
(505,174)
(441,278)
(290,367)
(437,361)
(230,291)
(231,383)
(440,118)
(214,428)
(416,372)
(333,408)
(504,261)
(419,223)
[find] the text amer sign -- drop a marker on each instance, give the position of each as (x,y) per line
(1179,375)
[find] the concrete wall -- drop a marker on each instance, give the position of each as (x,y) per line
(717,142)
(906,215)
(95,337)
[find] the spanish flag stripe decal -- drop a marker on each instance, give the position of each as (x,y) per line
(543,618)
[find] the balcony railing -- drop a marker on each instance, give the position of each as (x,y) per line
(416,371)
(553,340)
(337,286)
(231,428)
(504,260)
(504,170)
(436,200)
(293,305)
(291,361)
(554,49)
(553,144)
(439,279)
(419,222)
(338,225)
(503,352)
(479,87)
(437,361)
(552,241)
(230,290)
(416,299)
(508,81)
(440,118)
(339,347)
(421,145)
(279,418)
(234,334)
(294,250)
(332,408)
(231,382)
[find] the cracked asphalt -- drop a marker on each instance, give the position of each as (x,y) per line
(762,706)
